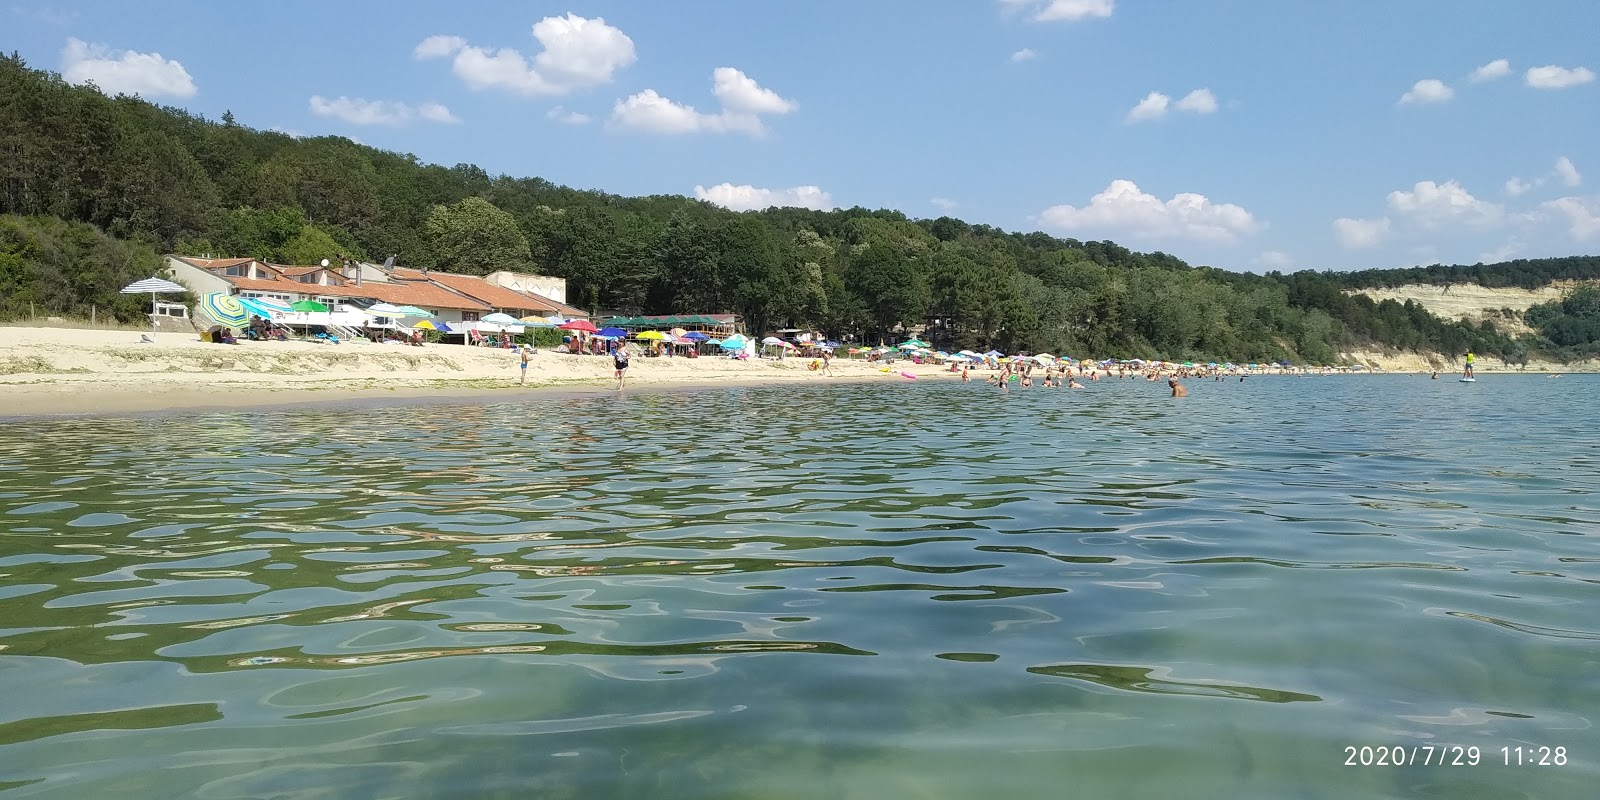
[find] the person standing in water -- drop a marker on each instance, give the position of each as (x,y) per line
(1470,358)
(1177,388)
(620,361)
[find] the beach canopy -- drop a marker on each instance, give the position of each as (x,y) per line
(154,286)
(391,310)
(264,307)
(578,325)
(224,309)
(307,305)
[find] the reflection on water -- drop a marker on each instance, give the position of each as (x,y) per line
(878,590)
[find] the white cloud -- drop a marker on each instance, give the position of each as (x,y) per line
(1186,216)
(566,117)
(1568,173)
(1432,205)
(1199,101)
(1502,253)
(1517,186)
(738,92)
(1025,54)
(1582,215)
(1427,90)
(438,47)
(751,198)
(1358,233)
(943,203)
(1062,10)
(1553,77)
(743,102)
(358,111)
(1153,106)
(577,53)
(124,71)
(1498,68)
(1274,259)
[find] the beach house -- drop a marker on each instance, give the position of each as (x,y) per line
(458,301)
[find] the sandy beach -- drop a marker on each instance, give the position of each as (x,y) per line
(45,371)
(56,371)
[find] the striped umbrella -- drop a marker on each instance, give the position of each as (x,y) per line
(154,286)
(224,309)
(265,307)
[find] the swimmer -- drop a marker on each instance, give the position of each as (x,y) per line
(1177,389)
(1072,383)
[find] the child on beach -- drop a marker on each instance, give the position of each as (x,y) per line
(525,351)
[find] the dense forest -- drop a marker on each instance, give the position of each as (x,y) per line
(94,188)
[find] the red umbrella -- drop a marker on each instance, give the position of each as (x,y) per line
(578,325)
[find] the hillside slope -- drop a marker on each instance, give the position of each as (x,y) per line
(1471,302)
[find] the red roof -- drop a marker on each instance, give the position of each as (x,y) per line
(399,293)
(214,263)
(480,289)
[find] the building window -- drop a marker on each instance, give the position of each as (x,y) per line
(469,316)
(236,271)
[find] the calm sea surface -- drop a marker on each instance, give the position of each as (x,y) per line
(892,590)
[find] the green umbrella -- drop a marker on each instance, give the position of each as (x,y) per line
(308,305)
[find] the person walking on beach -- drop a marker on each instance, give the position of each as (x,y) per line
(827,362)
(1470,358)
(526,349)
(620,361)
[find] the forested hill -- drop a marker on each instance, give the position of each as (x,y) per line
(1520,274)
(93,189)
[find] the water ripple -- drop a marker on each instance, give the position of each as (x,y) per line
(859,591)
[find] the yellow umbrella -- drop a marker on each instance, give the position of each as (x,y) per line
(426,325)
(652,335)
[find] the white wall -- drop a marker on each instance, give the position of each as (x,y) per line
(541,285)
(197,279)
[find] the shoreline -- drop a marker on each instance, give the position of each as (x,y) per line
(59,372)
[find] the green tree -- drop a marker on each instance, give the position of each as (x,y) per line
(476,238)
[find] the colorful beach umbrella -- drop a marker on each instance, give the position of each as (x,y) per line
(651,336)
(224,309)
(499,318)
(154,286)
(308,305)
(264,307)
(612,332)
(696,336)
(578,325)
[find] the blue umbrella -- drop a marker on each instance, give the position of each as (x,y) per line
(612,332)
(695,336)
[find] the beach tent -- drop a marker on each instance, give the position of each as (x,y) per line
(154,286)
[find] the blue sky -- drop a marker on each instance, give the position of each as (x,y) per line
(1245,135)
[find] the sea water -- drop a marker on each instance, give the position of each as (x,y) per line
(895,589)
